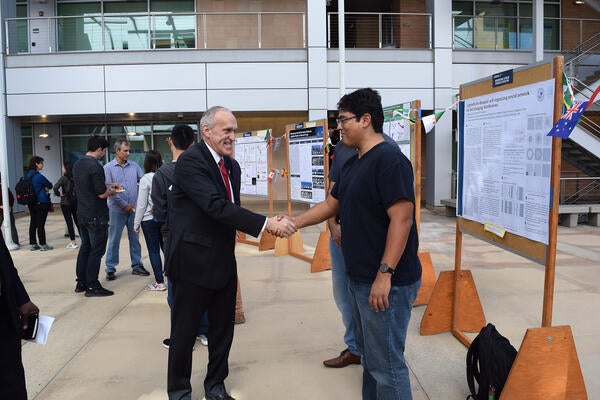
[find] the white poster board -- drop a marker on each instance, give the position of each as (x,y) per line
(307,168)
(251,154)
(396,124)
(505,160)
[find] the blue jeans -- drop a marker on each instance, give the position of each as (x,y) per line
(341,295)
(381,337)
(94,233)
(154,243)
(117,222)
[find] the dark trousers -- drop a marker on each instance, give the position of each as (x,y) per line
(93,232)
(190,304)
(37,223)
(13,226)
(70,215)
(12,374)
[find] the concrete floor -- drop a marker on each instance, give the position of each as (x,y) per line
(110,348)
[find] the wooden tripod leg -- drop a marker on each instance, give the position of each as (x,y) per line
(427,279)
(440,310)
(321,258)
(546,367)
(267,241)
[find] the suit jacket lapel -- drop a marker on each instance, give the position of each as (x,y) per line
(213,167)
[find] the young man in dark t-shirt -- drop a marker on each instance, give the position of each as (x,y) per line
(375,201)
(92,214)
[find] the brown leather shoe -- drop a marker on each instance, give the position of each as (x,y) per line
(239,319)
(343,360)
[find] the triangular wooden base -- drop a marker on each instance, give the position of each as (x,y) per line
(546,367)
(243,238)
(292,244)
(427,280)
(321,258)
(439,312)
(267,241)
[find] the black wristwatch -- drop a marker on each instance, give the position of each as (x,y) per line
(386,269)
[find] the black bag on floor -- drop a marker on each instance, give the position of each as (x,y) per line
(489,360)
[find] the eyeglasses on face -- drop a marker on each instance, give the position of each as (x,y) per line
(342,120)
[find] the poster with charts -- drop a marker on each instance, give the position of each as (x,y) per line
(307,168)
(397,125)
(505,159)
(251,154)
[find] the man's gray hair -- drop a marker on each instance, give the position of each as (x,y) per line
(120,142)
(208,118)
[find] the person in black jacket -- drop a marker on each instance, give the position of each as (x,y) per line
(15,308)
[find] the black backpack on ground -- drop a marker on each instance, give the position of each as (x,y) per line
(24,192)
(489,360)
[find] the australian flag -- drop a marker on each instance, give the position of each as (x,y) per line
(567,122)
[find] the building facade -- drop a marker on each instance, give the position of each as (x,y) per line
(75,68)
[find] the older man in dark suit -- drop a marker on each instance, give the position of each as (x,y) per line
(15,308)
(204,215)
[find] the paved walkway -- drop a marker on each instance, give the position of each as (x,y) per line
(110,348)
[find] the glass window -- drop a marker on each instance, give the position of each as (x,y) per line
(74,147)
(22,36)
(26,146)
(462,8)
(139,143)
(172,5)
(76,32)
(87,130)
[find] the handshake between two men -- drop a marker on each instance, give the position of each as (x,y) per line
(281,226)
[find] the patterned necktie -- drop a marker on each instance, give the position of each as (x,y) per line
(225,178)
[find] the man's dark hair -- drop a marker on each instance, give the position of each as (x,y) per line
(33,161)
(153,161)
(97,142)
(182,136)
(361,102)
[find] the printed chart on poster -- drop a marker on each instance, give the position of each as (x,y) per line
(505,159)
(251,154)
(396,124)
(307,168)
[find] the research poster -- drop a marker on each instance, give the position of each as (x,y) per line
(505,160)
(307,167)
(251,154)
(396,124)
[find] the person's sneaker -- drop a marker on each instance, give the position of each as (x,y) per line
(72,246)
(157,286)
(203,339)
(80,287)
(140,271)
(34,247)
(167,343)
(98,292)
(110,276)
(45,247)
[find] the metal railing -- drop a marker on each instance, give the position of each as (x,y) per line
(578,55)
(516,33)
(381,30)
(145,31)
(580,189)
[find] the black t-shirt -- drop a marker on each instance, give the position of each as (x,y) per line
(88,175)
(367,187)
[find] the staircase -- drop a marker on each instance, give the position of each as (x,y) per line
(582,149)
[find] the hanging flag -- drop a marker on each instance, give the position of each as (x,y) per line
(276,144)
(268,135)
(568,97)
(429,121)
(271,175)
(283,172)
(567,122)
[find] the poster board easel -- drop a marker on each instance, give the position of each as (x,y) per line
(248,142)
(294,245)
(547,355)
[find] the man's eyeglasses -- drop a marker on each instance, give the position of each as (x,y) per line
(341,120)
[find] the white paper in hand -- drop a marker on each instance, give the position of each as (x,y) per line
(44,324)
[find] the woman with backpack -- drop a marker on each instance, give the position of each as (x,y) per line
(68,201)
(39,208)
